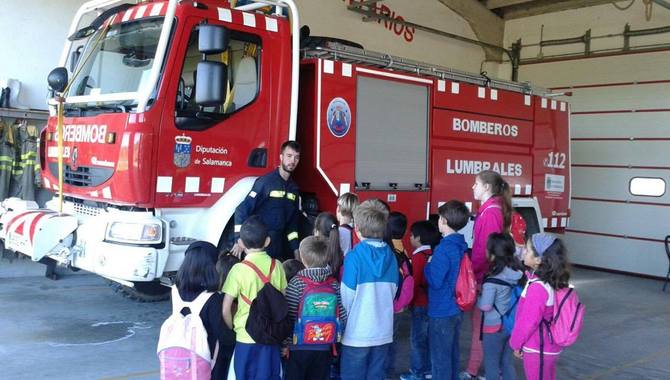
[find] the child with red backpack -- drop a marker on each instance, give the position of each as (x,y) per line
(442,271)
(315,308)
(424,235)
(396,226)
(549,315)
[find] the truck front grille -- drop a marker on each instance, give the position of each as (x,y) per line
(82,176)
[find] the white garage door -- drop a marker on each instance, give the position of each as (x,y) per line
(620,142)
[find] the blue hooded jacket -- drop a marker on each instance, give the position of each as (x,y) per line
(369,283)
(441,273)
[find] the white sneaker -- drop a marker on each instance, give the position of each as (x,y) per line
(464,375)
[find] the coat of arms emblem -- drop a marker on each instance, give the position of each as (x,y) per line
(182,151)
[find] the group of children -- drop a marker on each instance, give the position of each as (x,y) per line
(356,267)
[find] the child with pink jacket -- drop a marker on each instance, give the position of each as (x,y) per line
(545,256)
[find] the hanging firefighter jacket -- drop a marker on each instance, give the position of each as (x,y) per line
(25,173)
(7,157)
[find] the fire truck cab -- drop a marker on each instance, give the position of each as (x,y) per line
(172,109)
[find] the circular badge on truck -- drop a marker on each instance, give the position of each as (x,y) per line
(339,117)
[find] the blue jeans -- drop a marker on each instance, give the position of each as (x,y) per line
(366,363)
(419,358)
(389,366)
(257,362)
(444,333)
(498,356)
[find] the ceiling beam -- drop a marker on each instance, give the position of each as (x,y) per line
(488,26)
(547,6)
(493,4)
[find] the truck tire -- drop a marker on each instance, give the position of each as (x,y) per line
(151,291)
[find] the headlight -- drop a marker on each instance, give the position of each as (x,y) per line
(142,233)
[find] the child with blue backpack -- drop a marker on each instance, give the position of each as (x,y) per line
(315,307)
(497,303)
(549,315)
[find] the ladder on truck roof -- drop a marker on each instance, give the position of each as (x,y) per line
(341,52)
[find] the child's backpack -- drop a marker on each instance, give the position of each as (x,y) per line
(508,317)
(405,293)
(318,318)
(568,317)
(268,321)
(466,285)
(518,228)
(183,351)
(566,322)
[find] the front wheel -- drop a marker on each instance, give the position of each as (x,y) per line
(151,291)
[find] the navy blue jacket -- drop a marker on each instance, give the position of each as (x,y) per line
(441,273)
(276,202)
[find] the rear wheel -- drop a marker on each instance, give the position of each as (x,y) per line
(151,291)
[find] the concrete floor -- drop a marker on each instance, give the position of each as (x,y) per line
(77,328)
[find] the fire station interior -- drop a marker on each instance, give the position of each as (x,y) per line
(601,66)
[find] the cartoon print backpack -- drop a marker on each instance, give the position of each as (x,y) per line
(183,351)
(466,285)
(508,317)
(318,318)
(405,293)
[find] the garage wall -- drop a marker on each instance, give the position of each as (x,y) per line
(43,26)
(331,18)
(620,128)
(33,35)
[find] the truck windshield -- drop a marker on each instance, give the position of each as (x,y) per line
(117,59)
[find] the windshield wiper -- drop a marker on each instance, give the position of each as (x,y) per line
(84,110)
(98,21)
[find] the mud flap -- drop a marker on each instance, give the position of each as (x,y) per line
(36,232)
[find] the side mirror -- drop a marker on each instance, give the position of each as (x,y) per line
(210,83)
(213,39)
(57,79)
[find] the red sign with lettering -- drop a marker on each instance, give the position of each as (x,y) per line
(483,128)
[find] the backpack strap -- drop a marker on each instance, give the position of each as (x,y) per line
(194,306)
(264,278)
(199,302)
(177,303)
(498,281)
(560,306)
(260,274)
(326,283)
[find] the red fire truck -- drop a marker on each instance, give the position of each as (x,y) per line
(172,110)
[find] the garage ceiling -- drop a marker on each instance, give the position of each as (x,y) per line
(511,9)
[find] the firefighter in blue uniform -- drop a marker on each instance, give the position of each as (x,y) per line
(275,198)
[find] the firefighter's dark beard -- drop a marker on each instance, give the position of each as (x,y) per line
(287,169)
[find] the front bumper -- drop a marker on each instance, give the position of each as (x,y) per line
(77,239)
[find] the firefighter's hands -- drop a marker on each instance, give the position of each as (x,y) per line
(237,251)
